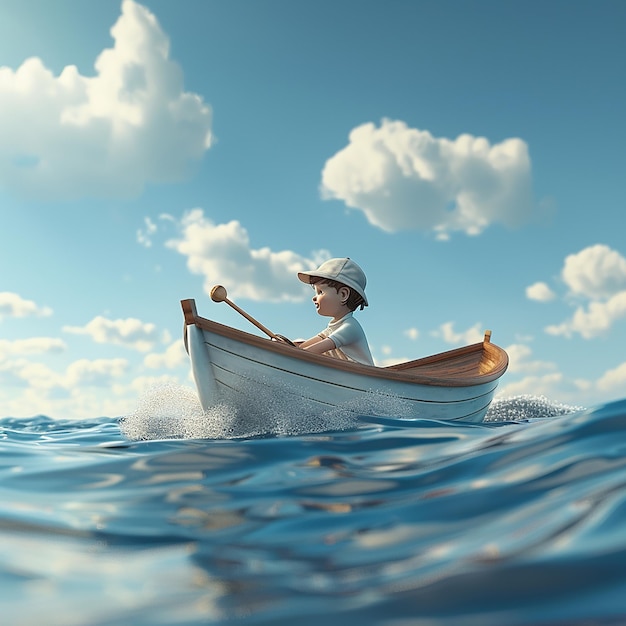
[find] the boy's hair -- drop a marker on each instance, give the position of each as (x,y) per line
(354,299)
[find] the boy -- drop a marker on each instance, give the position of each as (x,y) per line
(339,286)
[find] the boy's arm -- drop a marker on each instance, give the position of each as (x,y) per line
(318,345)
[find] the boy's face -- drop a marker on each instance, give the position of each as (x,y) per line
(329,301)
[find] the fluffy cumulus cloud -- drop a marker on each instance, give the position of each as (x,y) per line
(98,373)
(174,356)
(614,379)
(593,320)
(223,254)
(543,379)
(596,272)
(109,134)
(129,332)
(596,275)
(13,305)
(403,178)
(540,292)
(31,345)
(21,372)
(84,372)
(446,332)
(549,385)
(520,360)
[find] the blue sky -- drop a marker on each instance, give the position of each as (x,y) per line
(468,155)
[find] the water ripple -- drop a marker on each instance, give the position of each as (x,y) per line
(517,521)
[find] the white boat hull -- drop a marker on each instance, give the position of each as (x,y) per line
(242,371)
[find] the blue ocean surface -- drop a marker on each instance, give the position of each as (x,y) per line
(168,516)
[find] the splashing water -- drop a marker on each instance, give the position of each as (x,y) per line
(527,407)
(174,412)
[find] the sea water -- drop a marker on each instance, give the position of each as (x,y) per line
(171,516)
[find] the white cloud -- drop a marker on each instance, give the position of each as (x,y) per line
(109,134)
(388,358)
(596,272)
(222,254)
(558,387)
(32,345)
(129,332)
(144,235)
(13,305)
(449,335)
(519,360)
(96,373)
(84,372)
(614,379)
(540,292)
(596,320)
(547,385)
(173,357)
(75,404)
(412,333)
(403,178)
(21,372)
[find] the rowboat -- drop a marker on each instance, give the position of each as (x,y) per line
(253,373)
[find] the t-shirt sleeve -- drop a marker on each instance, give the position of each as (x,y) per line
(346,334)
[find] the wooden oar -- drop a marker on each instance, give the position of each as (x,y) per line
(219,294)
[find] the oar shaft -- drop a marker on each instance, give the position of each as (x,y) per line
(260,326)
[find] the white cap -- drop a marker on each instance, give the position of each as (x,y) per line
(344,271)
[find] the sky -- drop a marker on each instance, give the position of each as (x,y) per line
(470,156)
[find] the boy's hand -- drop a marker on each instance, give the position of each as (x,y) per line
(284,339)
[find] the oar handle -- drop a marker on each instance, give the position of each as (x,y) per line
(218,294)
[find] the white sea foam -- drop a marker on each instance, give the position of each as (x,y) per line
(527,407)
(174,412)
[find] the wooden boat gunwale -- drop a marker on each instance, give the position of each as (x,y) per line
(476,364)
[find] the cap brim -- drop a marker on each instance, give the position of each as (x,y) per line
(305,277)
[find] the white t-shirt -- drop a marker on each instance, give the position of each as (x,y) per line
(349,339)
